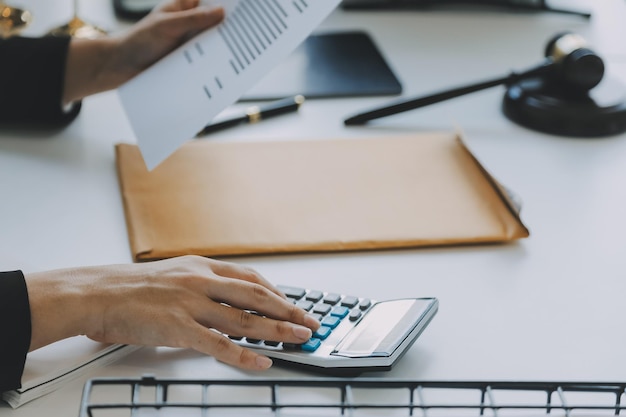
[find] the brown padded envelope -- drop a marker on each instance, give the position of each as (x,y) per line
(236,198)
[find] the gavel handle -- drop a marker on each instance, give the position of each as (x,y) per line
(423,101)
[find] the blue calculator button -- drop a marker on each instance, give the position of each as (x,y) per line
(323,332)
(340,312)
(311,345)
(331,321)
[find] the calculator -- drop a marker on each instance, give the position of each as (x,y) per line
(356,334)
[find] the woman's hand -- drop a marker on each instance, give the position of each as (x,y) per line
(96,65)
(179,302)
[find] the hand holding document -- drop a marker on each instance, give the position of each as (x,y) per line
(175,98)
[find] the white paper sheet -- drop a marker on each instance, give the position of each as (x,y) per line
(175,98)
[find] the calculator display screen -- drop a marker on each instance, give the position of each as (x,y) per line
(383,329)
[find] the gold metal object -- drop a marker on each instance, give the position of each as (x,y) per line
(254,114)
(78,28)
(567,44)
(12,20)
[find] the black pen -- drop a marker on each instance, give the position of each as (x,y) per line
(255,114)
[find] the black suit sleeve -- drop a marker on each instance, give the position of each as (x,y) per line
(32,74)
(15,329)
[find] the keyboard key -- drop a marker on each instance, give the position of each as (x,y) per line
(253,341)
(271,343)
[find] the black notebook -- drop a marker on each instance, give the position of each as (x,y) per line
(339,64)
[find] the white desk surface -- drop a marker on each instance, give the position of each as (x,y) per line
(550,307)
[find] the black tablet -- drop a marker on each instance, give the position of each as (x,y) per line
(338,64)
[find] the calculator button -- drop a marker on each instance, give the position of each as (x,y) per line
(311,345)
(349,301)
(339,311)
(292,292)
(235,337)
(305,305)
(317,316)
(322,333)
(365,304)
(322,309)
(253,341)
(314,296)
(291,346)
(332,299)
(355,315)
(271,343)
(331,321)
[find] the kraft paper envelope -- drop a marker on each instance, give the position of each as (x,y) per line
(236,198)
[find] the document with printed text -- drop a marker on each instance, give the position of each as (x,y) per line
(174,99)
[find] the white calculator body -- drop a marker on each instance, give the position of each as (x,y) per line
(356,334)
